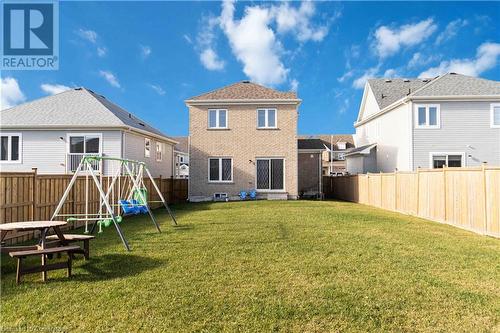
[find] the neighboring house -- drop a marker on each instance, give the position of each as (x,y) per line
(243,136)
(309,167)
(53,133)
(181,157)
(451,120)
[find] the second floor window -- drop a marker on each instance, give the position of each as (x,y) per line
(147,147)
(11,147)
(159,151)
(495,115)
(266,118)
(217,118)
(427,116)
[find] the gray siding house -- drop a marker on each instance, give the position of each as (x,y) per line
(451,120)
(53,133)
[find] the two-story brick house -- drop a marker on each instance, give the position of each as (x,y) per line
(243,136)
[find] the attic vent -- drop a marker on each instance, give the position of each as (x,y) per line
(406,80)
(245,81)
(142,124)
(388,80)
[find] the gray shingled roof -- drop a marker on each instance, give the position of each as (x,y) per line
(361,149)
(310,144)
(390,90)
(460,85)
(73,108)
(245,90)
(183,143)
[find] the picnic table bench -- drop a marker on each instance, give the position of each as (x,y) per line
(47,246)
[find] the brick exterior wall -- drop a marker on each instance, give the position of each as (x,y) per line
(243,142)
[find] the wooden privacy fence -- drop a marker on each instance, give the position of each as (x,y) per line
(467,198)
(28,196)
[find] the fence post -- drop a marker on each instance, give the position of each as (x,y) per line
(483,169)
(172,198)
(34,215)
(396,190)
(444,194)
(418,189)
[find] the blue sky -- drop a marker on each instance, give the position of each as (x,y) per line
(150,56)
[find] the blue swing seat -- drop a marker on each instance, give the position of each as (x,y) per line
(243,195)
(141,209)
(253,194)
(128,207)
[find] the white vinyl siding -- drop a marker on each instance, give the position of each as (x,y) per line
(159,152)
(217,118)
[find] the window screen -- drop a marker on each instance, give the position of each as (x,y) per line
(14,150)
(421,116)
(4,147)
(76,144)
(454,161)
(214,169)
(262,174)
(276,174)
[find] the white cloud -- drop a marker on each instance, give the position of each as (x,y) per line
(110,77)
(346,75)
(298,21)
(253,38)
(211,60)
(486,59)
(391,72)
(294,85)
(53,89)
(89,35)
(206,44)
(187,38)
(359,83)
(102,51)
(254,43)
(159,90)
(344,106)
(10,93)
(145,51)
(451,30)
(389,41)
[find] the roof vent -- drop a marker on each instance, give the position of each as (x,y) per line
(406,80)
(384,96)
(409,92)
(453,73)
(142,124)
(79,88)
(245,81)
(130,116)
(102,96)
(425,80)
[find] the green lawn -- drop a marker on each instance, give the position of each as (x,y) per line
(269,266)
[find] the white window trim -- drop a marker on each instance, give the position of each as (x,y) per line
(159,144)
(432,154)
(266,118)
(220,158)
(217,112)
(284,175)
(9,148)
(149,151)
(492,108)
(427,106)
(68,142)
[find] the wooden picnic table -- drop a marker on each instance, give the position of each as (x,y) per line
(43,227)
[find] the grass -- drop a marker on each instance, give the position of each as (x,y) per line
(269,266)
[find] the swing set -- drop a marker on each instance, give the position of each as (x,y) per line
(116,194)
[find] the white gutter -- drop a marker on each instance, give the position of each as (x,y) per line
(97,128)
(443,98)
(190,102)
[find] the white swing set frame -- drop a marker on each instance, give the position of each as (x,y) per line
(135,171)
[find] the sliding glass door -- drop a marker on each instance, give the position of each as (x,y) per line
(270,174)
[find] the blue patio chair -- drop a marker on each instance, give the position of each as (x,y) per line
(243,195)
(253,194)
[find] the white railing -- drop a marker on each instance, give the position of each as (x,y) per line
(74,159)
